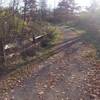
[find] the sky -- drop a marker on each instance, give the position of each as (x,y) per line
(82,3)
(51,3)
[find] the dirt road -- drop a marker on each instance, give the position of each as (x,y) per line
(63,77)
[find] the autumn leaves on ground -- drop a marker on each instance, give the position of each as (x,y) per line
(70,74)
(49,53)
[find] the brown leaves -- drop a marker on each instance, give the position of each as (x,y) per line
(41,93)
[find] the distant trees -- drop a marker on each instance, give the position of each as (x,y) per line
(67,5)
(94,5)
(43,9)
(90,19)
(65,11)
(28,9)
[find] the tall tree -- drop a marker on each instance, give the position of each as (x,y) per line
(94,5)
(29,9)
(67,5)
(65,9)
(43,7)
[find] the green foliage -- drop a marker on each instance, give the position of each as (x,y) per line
(9,23)
(53,37)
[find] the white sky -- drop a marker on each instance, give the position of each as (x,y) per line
(82,3)
(51,3)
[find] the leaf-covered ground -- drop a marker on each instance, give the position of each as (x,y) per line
(71,74)
(64,77)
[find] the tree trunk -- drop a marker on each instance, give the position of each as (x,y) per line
(1,52)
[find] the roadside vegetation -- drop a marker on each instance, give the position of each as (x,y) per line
(30,30)
(30,33)
(87,24)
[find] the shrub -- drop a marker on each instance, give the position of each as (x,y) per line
(52,37)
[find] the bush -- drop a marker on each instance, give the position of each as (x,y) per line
(45,43)
(52,37)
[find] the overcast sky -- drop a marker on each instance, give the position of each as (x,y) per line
(82,3)
(51,3)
